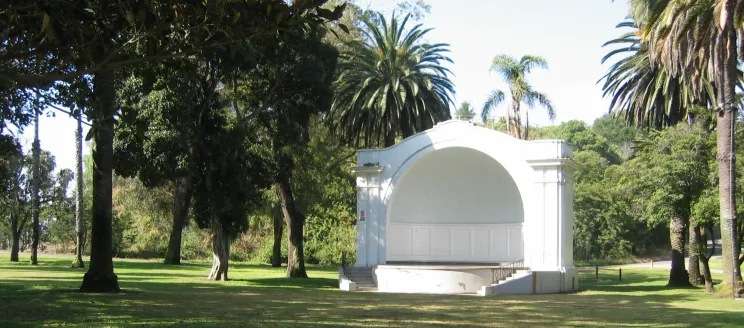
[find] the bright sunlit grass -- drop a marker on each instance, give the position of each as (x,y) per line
(259,296)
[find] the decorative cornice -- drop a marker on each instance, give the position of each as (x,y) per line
(367,169)
(444,126)
(557,162)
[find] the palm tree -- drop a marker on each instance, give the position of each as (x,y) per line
(646,93)
(699,39)
(391,83)
(514,72)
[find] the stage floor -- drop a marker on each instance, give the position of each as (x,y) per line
(428,266)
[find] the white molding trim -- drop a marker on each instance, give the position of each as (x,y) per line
(367,169)
(559,162)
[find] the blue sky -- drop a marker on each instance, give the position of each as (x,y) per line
(568,33)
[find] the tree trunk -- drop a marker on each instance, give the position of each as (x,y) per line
(527,124)
(79,194)
(100,277)
(35,185)
(390,137)
(15,238)
(705,258)
(220,251)
(693,266)
(181,204)
(276,257)
(725,144)
(515,120)
(295,222)
(678,275)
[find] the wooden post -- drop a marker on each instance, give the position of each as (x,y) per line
(621,274)
(596,272)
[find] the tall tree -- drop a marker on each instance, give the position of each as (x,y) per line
(19,200)
(79,194)
(392,83)
(98,37)
(11,197)
(700,39)
(674,173)
(514,72)
(36,184)
(232,173)
(157,140)
(181,134)
(292,85)
(647,94)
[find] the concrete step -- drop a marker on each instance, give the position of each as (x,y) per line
(358,275)
(364,282)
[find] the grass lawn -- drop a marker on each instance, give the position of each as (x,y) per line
(716,264)
(155,294)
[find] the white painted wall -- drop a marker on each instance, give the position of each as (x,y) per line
(455,243)
(456,185)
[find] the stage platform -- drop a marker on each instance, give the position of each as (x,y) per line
(439,278)
(435,278)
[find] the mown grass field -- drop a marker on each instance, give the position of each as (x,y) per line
(258,296)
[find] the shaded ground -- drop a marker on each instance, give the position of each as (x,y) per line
(157,294)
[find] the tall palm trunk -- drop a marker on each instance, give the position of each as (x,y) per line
(526,125)
(725,143)
(693,265)
(678,274)
(35,185)
(295,224)
(79,195)
(100,276)
(515,120)
(181,203)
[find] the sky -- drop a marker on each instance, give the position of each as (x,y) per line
(568,33)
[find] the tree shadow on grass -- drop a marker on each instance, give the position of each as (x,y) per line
(274,303)
(291,282)
(152,297)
